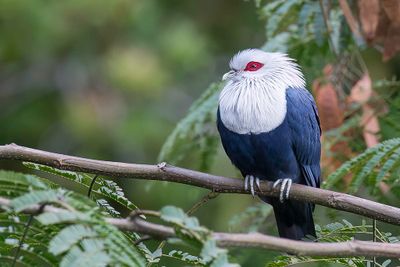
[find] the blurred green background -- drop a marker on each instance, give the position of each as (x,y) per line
(110,79)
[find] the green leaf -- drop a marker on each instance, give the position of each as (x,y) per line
(62,217)
(73,176)
(106,188)
(214,256)
(34,251)
(222,261)
(364,167)
(68,237)
(390,165)
(14,184)
(23,179)
(92,256)
(77,235)
(156,255)
(119,246)
(319,28)
(36,197)
(111,190)
(179,217)
(110,209)
(186,257)
(210,250)
(306,14)
(281,16)
(173,214)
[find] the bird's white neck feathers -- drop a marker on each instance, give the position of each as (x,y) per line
(255,101)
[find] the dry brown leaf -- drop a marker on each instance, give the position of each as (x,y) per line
(378,22)
(392,9)
(331,116)
(392,42)
(370,126)
(330,113)
(368,12)
(361,93)
(362,90)
(382,28)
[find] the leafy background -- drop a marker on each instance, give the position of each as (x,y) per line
(111,80)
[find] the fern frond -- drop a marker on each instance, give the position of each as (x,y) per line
(368,170)
(36,197)
(280,14)
(91,255)
(185,257)
(337,232)
(58,237)
(68,237)
(369,167)
(105,205)
(111,190)
(14,184)
(103,187)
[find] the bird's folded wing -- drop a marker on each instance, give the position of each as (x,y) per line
(305,129)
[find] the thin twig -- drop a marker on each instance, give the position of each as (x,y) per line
(142,239)
(219,184)
(374,239)
(201,202)
(21,241)
(28,224)
(91,185)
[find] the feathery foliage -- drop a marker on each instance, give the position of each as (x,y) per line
(340,232)
(102,187)
(376,164)
(78,236)
(189,230)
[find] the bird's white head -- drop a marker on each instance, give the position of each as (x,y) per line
(255,63)
(253,99)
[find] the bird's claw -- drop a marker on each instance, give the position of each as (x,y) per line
(249,181)
(286,184)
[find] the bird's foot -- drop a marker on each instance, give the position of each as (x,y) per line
(286,184)
(249,181)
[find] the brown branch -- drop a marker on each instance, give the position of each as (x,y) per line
(301,248)
(220,184)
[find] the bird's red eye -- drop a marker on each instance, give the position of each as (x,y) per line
(253,66)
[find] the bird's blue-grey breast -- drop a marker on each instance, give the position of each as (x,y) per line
(269,128)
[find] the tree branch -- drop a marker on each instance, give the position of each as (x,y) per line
(165,172)
(301,248)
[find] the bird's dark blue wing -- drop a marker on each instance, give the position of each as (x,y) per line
(303,122)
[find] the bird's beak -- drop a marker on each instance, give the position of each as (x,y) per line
(228,75)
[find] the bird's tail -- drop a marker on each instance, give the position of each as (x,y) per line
(294,219)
